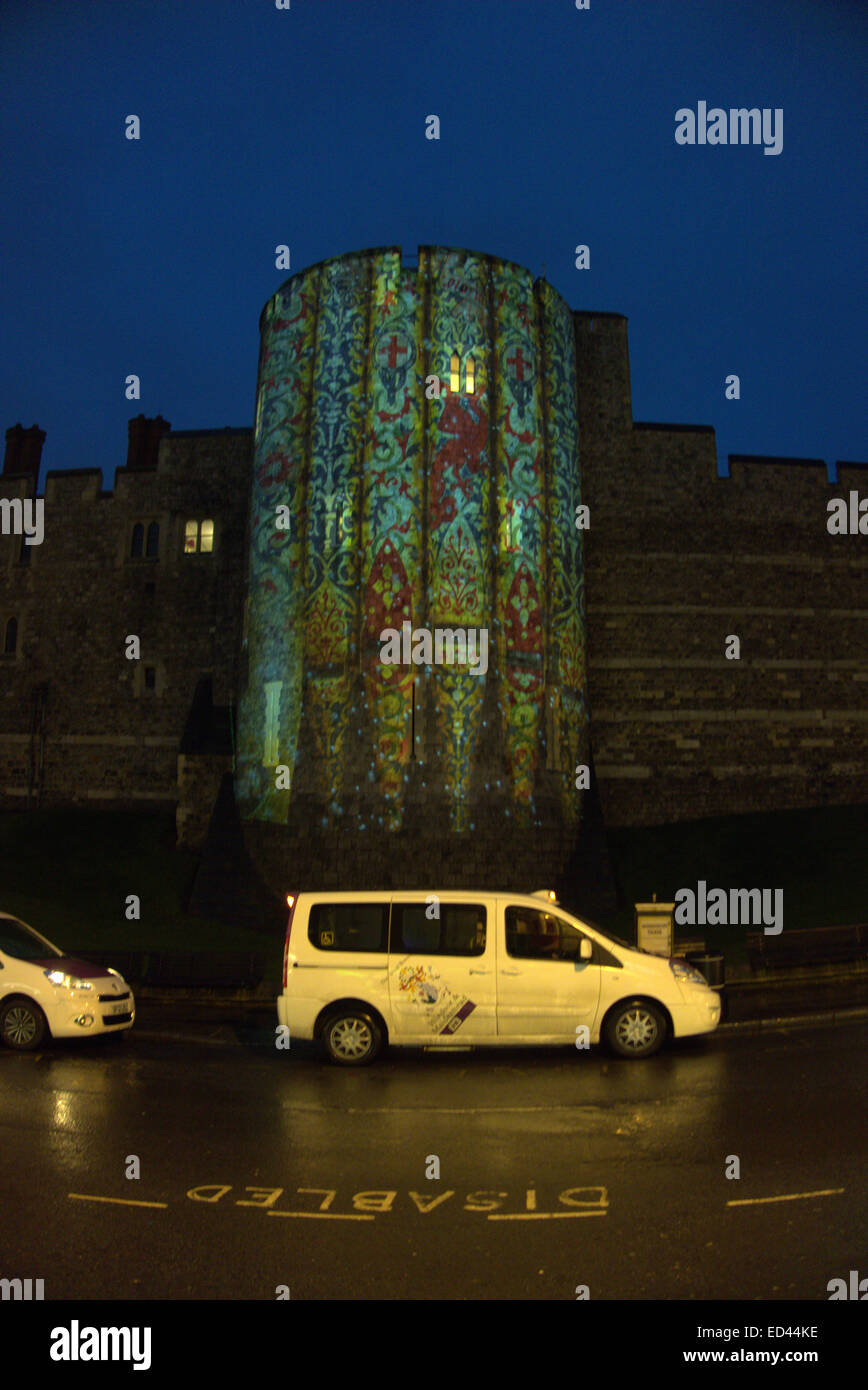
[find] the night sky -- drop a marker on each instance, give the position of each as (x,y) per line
(307,127)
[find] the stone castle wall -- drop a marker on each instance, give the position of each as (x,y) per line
(78,723)
(676,560)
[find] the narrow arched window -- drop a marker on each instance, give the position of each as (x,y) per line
(10,642)
(470,376)
(454,373)
(153,546)
(206,537)
(191,537)
(138,540)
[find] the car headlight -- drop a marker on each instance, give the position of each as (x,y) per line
(57,977)
(683,970)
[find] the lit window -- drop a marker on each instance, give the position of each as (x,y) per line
(10,643)
(199,536)
(454,373)
(470,376)
(138,540)
(153,544)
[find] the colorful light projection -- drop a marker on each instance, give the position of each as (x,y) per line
(374,502)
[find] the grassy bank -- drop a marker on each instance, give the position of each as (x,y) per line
(818,857)
(69,873)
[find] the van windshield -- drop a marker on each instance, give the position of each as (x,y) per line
(610,936)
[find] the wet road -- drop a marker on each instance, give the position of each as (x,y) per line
(557,1169)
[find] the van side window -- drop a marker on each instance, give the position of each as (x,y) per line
(534,935)
(349,926)
(459,931)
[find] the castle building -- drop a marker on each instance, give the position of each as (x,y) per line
(444,573)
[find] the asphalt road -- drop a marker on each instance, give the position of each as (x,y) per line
(557,1169)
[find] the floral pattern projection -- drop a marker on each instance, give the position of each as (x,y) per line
(271,705)
(331,576)
(566,684)
(392,518)
(522,531)
(340,445)
(459,532)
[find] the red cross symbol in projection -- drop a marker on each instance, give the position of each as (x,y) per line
(394,349)
(520,364)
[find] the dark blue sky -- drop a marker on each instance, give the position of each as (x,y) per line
(306,127)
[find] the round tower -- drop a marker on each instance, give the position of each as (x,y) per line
(414,708)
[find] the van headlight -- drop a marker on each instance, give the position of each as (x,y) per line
(684,971)
(57,977)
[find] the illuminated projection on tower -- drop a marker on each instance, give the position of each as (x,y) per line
(377,501)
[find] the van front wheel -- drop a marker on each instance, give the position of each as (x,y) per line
(636,1029)
(351,1038)
(22,1025)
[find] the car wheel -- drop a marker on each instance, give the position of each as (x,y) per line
(22,1024)
(637,1029)
(351,1038)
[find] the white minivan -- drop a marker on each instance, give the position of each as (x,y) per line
(475,968)
(44,992)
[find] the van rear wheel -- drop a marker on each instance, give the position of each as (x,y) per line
(636,1029)
(351,1038)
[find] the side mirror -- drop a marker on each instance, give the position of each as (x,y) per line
(586,949)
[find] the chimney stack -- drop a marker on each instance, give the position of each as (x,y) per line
(144,442)
(24,453)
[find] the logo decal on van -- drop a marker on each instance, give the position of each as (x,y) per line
(418,981)
(452,1009)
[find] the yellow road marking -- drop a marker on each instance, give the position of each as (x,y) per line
(788,1197)
(118,1201)
(323,1215)
(541,1215)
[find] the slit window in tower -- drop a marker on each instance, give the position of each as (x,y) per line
(272,712)
(470,376)
(412,721)
(10,645)
(455,373)
(152,546)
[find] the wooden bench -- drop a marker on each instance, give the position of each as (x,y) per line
(815,946)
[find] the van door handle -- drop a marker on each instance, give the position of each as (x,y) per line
(480,972)
(510,972)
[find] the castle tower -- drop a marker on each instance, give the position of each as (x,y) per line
(416,468)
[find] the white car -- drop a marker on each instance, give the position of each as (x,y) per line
(479,968)
(43,992)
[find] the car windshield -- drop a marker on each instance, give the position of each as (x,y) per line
(22,942)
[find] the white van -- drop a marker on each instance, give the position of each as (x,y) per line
(44,992)
(475,968)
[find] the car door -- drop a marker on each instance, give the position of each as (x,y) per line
(544,988)
(441,970)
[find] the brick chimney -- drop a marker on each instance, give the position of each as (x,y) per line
(24,453)
(144,442)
